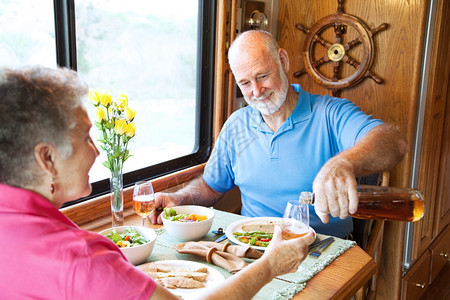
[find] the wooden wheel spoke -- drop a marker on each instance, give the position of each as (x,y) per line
(382,27)
(338,39)
(302,28)
(339,29)
(321,41)
(355,64)
(374,77)
(351,61)
(314,64)
(336,70)
(300,73)
(321,61)
(316,38)
(351,44)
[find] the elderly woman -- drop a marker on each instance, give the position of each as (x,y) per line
(46,153)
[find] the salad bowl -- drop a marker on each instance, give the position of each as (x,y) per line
(139,244)
(187,222)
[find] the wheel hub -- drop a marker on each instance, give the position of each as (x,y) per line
(336,52)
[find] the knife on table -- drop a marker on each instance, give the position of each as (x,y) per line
(223,237)
(321,246)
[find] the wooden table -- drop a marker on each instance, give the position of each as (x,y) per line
(340,280)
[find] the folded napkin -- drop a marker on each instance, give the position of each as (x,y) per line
(239,251)
(222,255)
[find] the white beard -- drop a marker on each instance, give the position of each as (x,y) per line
(279,97)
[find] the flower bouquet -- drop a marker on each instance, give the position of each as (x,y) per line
(114,118)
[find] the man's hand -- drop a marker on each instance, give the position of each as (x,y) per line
(335,184)
(162,200)
(197,192)
(335,190)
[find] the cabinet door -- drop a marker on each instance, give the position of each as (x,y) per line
(416,280)
(440,253)
(443,196)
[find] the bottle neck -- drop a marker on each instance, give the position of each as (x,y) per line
(306,198)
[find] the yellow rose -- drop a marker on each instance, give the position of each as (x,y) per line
(105,98)
(130,113)
(100,115)
(93,96)
(122,102)
(120,126)
(114,118)
(131,130)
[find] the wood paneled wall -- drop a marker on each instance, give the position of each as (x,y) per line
(435,160)
(398,60)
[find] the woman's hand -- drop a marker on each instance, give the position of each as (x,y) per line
(284,256)
(280,257)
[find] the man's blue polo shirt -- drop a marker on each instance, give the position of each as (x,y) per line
(271,168)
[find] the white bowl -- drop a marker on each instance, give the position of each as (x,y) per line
(188,231)
(137,254)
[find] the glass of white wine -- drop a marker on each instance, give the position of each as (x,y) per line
(295,221)
(143,199)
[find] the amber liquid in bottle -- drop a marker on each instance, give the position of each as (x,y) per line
(388,203)
(389,207)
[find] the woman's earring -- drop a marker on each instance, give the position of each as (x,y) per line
(52,185)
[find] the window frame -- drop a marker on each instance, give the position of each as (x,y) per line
(65,38)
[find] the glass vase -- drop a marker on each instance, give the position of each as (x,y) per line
(116,185)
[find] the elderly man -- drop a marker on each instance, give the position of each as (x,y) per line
(287,141)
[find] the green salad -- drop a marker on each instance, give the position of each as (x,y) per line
(171,214)
(129,238)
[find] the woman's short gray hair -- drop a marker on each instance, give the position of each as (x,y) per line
(36,105)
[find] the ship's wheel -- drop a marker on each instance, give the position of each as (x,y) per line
(337,53)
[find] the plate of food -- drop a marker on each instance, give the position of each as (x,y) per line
(254,232)
(185,279)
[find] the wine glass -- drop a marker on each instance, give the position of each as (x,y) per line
(295,221)
(143,199)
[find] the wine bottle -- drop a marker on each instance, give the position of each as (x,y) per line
(379,202)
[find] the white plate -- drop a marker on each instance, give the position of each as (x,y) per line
(214,277)
(237,227)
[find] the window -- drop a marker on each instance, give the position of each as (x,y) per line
(27,33)
(159,53)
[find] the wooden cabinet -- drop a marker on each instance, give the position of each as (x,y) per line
(435,157)
(440,253)
(426,267)
(416,281)
(431,236)
(443,193)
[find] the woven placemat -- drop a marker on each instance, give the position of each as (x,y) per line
(282,287)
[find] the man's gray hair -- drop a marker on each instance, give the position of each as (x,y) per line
(36,105)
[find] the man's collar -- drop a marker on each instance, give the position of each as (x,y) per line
(302,110)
